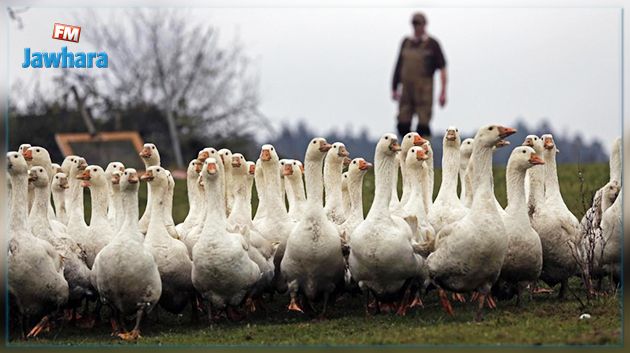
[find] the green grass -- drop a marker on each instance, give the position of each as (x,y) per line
(544,320)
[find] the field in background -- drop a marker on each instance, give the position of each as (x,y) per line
(544,320)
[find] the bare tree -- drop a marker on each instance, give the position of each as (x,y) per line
(163,58)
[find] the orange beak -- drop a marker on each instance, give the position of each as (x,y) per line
(324,146)
(346,161)
(528,142)
(85,175)
(147,176)
(83,165)
(450,135)
(418,140)
(252,169)
(394,146)
(121,169)
(343,152)
(64,184)
(421,155)
(211,168)
(31,177)
(28,155)
(549,143)
(203,155)
(145,153)
(236,162)
(287,170)
(506,131)
(265,155)
(502,143)
(363,165)
(133,178)
(197,168)
(535,159)
(115,180)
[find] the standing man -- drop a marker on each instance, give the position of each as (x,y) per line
(420,56)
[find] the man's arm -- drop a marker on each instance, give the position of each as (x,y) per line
(443,81)
(396,78)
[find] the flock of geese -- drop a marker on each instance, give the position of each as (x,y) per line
(223,262)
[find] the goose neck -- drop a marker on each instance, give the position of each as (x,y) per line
(332,181)
(552,187)
(40,204)
(242,204)
(355,190)
(615,161)
(536,176)
(215,204)
(313,180)
(450,169)
(515,180)
(275,199)
(482,175)
(384,175)
(18,222)
(131,214)
(99,204)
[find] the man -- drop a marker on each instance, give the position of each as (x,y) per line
(420,56)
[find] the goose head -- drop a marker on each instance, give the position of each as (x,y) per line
(67,163)
(206,153)
(524,157)
(115,179)
(114,166)
(16,164)
(156,176)
(78,166)
(37,156)
(93,176)
(488,136)
(150,154)
(548,143)
(534,142)
(238,164)
(465,149)
(286,167)
(38,177)
(251,168)
(317,149)
(268,154)
(411,139)
(337,153)
(60,182)
(611,191)
(56,168)
(226,157)
(194,168)
(388,145)
(129,181)
(358,166)
(23,147)
(211,170)
(416,157)
(293,169)
(452,138)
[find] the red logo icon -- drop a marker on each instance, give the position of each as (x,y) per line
(68,33)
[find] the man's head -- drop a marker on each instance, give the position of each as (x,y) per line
(419,22)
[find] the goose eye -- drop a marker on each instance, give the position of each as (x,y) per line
(314,142)
(56,177)
(152,147)
(125,173)
(490,128)
(94,170)
(354,162)
(212,152)
(272,148)
(15,156)
(386,137)
(37,150)
(523,151)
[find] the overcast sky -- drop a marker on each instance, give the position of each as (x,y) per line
(333,66)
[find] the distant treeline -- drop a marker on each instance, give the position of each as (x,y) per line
(292,139)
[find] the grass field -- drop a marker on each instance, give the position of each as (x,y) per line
(543,320)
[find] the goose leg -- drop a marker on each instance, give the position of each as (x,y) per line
(322,315)
(404,304)
(481,301)
(43,324)
(459,297)
(293,305)
(366,302)
(135,333)
(446,304)
(563,289)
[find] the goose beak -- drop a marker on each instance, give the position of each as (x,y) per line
(346,161)
(287,170)
(133,178)
(501,143)
(535,159)
(450,135)
(197,168)
(549,143)
(31,177)
(505,131)
(421,155)
(418,140)
(343,152)
(64,184)
(528,142)
(85,183)
(394,146)
(324,146)
(202,156)
(85,175)
(83,165)
(211,168)
(145,153)
(252,169)
(28,155)
(236,162)
(121,169)
(116,180)
(265,155)
(363,165)
(147,176)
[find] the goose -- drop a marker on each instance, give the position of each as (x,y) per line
(100,232)
(241,215)
(612,233)
(382,260)
(354,176)
(537,144)
(413,210)
(114,199)
(447,207)
(295,187)
(555,224)
(410,140)
(65,168)
(127,277)
(77,229)
(31,189)
(345,195)
(195,211)
(465,150)
(59,187)
(429,177)
(259,180)
(313,263)
(39,295)
(469,253)
(75,271)
(168,207)
(523,261)
(150,157)
(171,255)
(222,271)
(226,158)
(56,168)
(333,168)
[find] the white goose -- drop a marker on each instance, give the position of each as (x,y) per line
(168,207)
(428,177)
(100,232)
(313,264)
(465,151)
(59,188)
(382,259)
(76,228)
(354,176)
(295,188)
(150,157)
(195,202)
(523,261)
(114,199)
(555,224)
(226,158)
(126,275)
(333,168)
(411,139)
(447,207)
(469,253)
(414,211)
(27,255)
(222,271)
(65,168)
(612,233)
